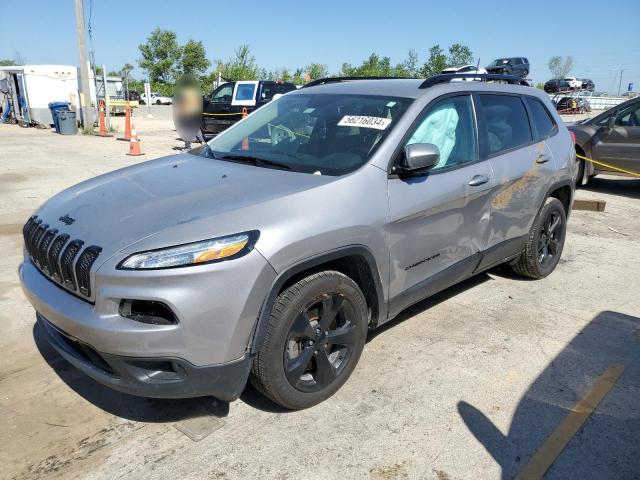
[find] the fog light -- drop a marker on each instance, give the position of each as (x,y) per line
(147,311)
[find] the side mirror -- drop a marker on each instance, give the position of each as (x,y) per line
(611,122)
(420,156)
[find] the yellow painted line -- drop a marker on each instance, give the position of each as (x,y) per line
(578,415)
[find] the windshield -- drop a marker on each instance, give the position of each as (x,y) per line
(499,62)
(314,133)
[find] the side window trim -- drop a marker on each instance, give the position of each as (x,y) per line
(397,156)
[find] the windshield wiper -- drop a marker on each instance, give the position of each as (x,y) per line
(256,161)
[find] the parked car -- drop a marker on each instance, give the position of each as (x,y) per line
(556,85)
(574,83)
(613,137)
(224,106)
(464,69)
(573,105)
(155,99)
(518,66)
(588,84)
(269,252)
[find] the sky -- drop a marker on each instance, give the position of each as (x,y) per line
(602,37)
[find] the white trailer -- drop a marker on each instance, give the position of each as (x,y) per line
(32,87)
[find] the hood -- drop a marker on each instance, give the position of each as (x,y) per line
(123,207)
(496,69)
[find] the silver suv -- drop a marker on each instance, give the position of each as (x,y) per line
(271,251)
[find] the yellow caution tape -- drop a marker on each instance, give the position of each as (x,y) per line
(629,172)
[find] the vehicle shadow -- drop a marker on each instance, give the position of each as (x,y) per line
(626,187)
(608,444)
(130,407)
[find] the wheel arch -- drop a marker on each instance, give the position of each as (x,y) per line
(563,192)
(355,261)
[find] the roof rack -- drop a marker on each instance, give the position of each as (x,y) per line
(486,77)
(324,81)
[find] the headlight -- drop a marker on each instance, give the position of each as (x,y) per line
(197,253)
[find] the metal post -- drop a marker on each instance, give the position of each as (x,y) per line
(85,91)
(620,82)
(107,109)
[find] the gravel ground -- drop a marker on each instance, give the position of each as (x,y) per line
(468,384)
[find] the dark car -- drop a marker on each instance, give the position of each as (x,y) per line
(225,105)
(557,85)
(518,66)
(588,84)
(134,96)
(613,137)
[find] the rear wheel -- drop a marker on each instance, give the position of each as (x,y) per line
(313,341)
(545,243)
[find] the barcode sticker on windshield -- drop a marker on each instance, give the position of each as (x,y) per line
(379,123)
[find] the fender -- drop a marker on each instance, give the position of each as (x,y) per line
(309,263)
(563,183)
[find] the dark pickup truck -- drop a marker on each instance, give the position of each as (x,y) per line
(224,106)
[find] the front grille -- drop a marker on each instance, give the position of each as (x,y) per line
(58,257)
(83,267)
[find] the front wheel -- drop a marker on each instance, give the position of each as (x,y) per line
(545,243)
(158,102)
(313,341)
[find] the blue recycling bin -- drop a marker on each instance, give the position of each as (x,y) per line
(56,107)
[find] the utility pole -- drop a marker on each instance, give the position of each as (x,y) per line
(620,82)
(85,90)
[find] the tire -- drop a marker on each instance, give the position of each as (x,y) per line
(299,365)
(158,102)
(580,174)
(525,73)
(545,243)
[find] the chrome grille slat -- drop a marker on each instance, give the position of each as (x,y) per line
(58,257)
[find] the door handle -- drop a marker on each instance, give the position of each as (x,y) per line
(478,180)
(542,158)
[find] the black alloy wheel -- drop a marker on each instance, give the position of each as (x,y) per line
(549,240)
(312,341)
(320,342)
(545,241)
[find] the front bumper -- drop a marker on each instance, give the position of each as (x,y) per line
(150,377)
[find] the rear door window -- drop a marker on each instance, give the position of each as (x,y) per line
(506,121)
(541,118)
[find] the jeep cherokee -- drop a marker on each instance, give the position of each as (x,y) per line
(269,252)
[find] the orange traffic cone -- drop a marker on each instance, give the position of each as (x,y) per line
(103,128)
(127,124)
(245,140)
(134,143)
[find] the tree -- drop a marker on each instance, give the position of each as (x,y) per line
(161,56)
(459,55)
(242,66)
(436,62)
(194,58)
(7,63)
(411,64)
(560,66)
(317,70)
